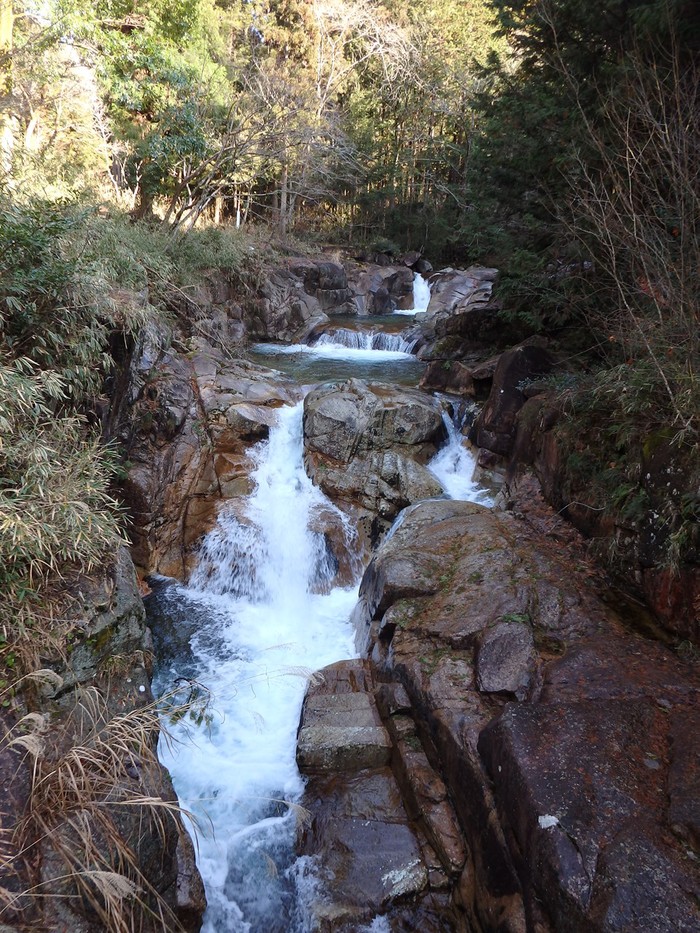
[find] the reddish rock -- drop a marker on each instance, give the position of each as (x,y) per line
(583,823)
(495,427)
(448,376)
(577,805)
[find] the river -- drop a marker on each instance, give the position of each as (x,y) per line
(258,616)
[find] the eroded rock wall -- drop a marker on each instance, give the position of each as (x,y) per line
(185,427)
(521,711)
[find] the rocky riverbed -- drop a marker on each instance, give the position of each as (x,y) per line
(507,753)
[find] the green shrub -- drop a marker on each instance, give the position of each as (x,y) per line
(55,318)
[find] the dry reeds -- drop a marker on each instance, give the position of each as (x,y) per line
(99,830)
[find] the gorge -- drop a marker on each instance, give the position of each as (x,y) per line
(349,473)
(482,644)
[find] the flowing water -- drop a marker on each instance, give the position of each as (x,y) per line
(454,464)
(258,616)
(309,365)
(266,619)
(369,348)
(343,338)
(421,295)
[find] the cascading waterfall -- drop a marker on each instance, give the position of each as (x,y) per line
(264,579)
(453,465)
(343,337)
(421,295)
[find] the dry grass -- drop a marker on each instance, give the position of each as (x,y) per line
(94,822)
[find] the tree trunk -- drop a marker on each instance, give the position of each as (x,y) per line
(144,204)
(284,195)
(218,206)
(6,118)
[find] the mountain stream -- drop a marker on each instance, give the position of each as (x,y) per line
(258,616)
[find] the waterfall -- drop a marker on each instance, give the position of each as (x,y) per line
(264,577)
(421,295)
(343,337)
(453,465)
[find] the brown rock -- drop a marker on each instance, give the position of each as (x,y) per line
(507,659)
(569,811)
(462,607)
(186,429)
(495,427)
(448,376)
(341,732)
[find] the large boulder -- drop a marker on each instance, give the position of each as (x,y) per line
(566,744)
(495,428)
(366,445)
(327,282)
(283,309)
(455,291)
(461,315)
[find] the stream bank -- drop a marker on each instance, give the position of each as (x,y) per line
(475,857)
(544,756)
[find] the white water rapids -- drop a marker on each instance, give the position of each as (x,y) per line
(260,623)
(268,630)
(453,467)
(341,338)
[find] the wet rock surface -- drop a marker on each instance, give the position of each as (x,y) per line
(186,426)
(368,856)
(366,445)
(546,756)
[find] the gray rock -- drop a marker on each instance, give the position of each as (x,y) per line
(341,732)
(366,445)
(507,659)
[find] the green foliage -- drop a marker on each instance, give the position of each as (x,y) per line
(55,318)
(43,320)
(626,460)
(206,248)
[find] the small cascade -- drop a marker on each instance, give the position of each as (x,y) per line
(368,340)
(268,616)
(453,465)
(421,295)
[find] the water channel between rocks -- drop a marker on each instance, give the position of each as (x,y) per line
(258,616)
